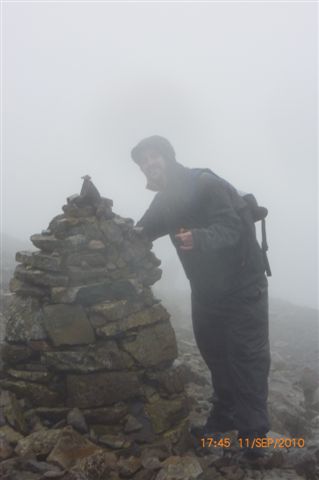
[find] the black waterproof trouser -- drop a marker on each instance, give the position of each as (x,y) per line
(232,336)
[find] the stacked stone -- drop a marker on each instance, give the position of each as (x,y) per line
(84,331)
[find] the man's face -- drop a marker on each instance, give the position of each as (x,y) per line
(153,166)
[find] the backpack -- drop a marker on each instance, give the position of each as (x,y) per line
(258,214)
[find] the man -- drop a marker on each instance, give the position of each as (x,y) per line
(213,232)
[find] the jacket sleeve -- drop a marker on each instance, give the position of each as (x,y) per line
(154,220)
(224,226)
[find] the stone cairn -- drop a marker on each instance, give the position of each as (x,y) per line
(87,344)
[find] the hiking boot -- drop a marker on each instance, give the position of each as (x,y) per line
(207,441)
(204,432)
(251,445)
(220,423)
(214,427)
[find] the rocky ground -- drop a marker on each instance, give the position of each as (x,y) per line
(293,390)
(66,450)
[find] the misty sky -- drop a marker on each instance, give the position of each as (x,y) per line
(233,86)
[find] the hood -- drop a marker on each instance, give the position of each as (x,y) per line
(155,142)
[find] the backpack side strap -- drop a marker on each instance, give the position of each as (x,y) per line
(264,246)
(259,214)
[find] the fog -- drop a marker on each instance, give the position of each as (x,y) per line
(232,85)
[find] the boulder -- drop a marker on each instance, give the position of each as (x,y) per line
(25,289)
(91,358)
(11,435)
(50,415)
(106,415)
(98,389)
(47,243)
(67,325)
(85,259)
(24,320)
(157,345)
(76,420)
(39,395)
(286,406)
(83,274)
(39,260)
(38,444)
(166,413)
(70,448)
(112,232)
(40,277)
(12,412)
(15,354)
(82,294)
(31,376)
(97,466)
(169,381)
(6,450)
(180,468)
(142,318)
(110,311)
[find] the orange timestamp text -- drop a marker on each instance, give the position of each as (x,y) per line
(210,442)
(271,442)
(256,442)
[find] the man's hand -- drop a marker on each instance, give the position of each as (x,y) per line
(185,239)
(138,230)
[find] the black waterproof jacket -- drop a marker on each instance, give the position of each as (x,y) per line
(226,257)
